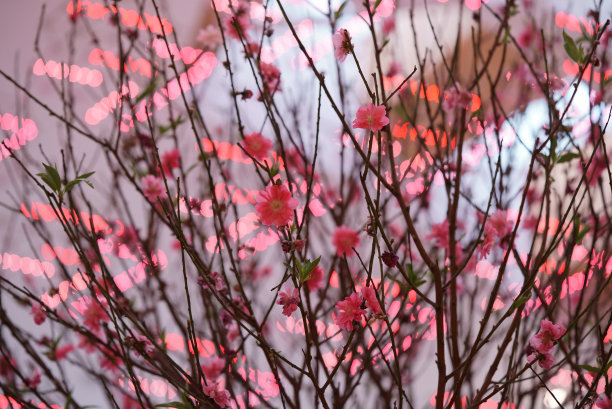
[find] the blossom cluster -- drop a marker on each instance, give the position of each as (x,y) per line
(541,345)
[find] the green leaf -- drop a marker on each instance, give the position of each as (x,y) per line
(402,285)
(519,301)
(414,277)
(589,368)
(85,175)
(51,177)
(79,179)
(384,44)
(306,268)
(172,125)
(273,171)
(571,49)
(580,235)
(566,157)
(146,92)
(339,11)
(376,6)
(506,39)
(175,404)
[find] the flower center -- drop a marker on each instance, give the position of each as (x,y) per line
(276,205)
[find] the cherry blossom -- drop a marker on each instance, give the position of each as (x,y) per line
(62,352)
(371,117)
(603,402)
(38,314)
(342,44)
(212,367)
(369,294)
(315,282)
(541,345)
(239,23)
(275,206)
(456,97)
(170,160)
(289,299)
(214,391)
(210,37)
(257,146)
(94,315)
(344,240)
(270,76)
(33,381)
(497,229)
(153,188)
(349,310)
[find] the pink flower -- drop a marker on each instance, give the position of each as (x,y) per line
(33,381)
(349,310)
(214,391)
(388,25)
(603,402)
(316,279)
(545,360)
(456,97)
(109,360)
(275,206)
(497,228)
(87,344)
(38,314)
(371,117)
(555,331)
(153,188)
(270,76)
(526,37)
(541,345)
(94,315)
(170,160)
(342,44)
(212,367)
(369,294)
(210,37)
(216,278)
(257,146)
(499,225)
(238,24)
(289,300)
(62,352)
(439,233)
(344,240)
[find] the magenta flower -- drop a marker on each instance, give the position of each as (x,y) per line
(94,315)
(603,402)
(342,44)
(38,314)
(344,240)
(212,367)
(316,279)
(153,188)
(289,300)
(257,146)
(170,160)
(275,206)
(497,228)
(214,391)
(349,310)
(369,294)
(456,97)
(371,117)
(541,345)
(545,360)
(555,331)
